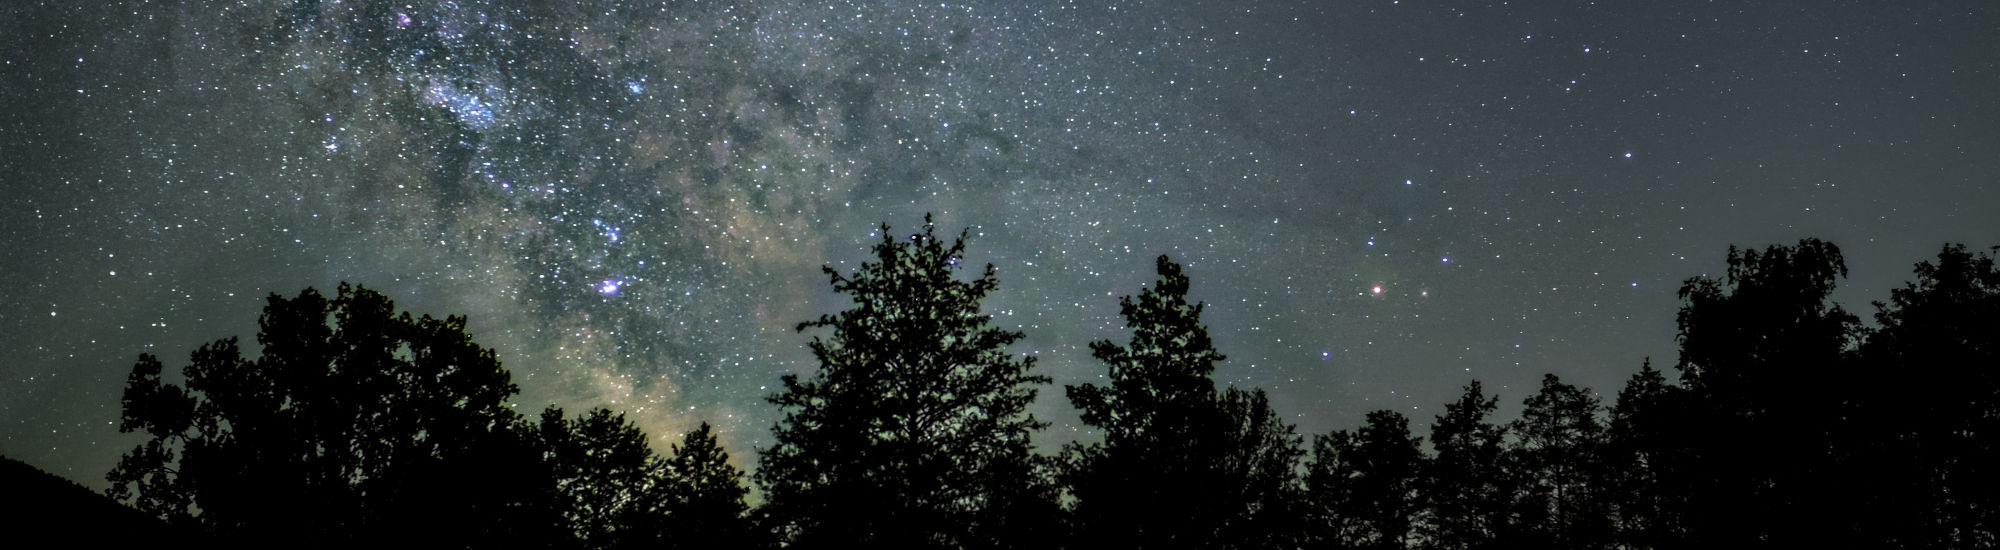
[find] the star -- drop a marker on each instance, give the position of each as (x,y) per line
(669,183)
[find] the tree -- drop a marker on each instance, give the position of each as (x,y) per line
(1466,492)
(1261,458)
(1364,486)
(1760,326)
(1925,429)
(699,503)
(1179,466)
(1763,358)
(603,472)
(614,492)
(1647,460)
(374,428)
(913,433)
(1558,456)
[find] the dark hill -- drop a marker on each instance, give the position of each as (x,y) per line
(37,505)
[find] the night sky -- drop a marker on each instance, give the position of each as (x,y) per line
(1379,200)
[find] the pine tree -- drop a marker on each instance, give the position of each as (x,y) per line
(602,471)
(700,501)
(1261,458)
(1466,494)
(1648,462)
(913,432)
(1364,487)
(1179,466)
(1559,460)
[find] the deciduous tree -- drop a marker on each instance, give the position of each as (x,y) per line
(1764,360)
(356,426)
(1927,417)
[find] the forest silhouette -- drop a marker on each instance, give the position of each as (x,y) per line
(1790,425)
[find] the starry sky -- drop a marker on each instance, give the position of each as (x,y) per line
(1380,200)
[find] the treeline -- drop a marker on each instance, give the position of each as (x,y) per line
(1790,425)
(361,427)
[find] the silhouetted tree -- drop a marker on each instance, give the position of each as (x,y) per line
(1558,455)
(1790,427)
(1648,462)
(1262,455)
(1925,429)
(1363,488)
(1762,358)
(603,472)
(1179,466)
(1466,494)
(915,421)
(356,426)
(700,502)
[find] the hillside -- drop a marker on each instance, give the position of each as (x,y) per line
(34,502)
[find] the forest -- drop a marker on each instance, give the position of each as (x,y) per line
(1788,423)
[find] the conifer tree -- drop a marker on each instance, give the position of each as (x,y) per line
(1466,494)
(913,432)
(602,472)
(698,502)
(1647,461)
(1364,487)
(1558,456)
(1179,466)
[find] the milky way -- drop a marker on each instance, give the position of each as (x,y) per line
(632,200)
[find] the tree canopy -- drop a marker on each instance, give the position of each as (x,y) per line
(1466,488)
(1764,355)
(366,420)
(1180,464)
(915,425)
(360,426)
(1789,425)
(1365,485)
